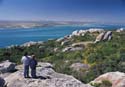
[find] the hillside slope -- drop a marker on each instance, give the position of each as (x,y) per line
(106,55)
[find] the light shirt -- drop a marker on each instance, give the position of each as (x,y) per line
(26,60)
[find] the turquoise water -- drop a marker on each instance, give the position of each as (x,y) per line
(19,36)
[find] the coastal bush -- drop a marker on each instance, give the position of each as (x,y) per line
(102,57)
(86,37)
(104,83)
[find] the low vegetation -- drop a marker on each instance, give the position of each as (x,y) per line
(105,56)
(105,83)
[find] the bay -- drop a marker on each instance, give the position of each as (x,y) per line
(19,36)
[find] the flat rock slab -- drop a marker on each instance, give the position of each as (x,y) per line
(43,70)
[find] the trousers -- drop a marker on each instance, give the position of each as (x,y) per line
(26,71)
(33,72)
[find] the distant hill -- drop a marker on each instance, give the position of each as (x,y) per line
(31,24)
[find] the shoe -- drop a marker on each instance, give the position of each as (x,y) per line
(35,77)
(27,77)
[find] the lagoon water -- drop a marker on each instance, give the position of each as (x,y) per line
(19,36)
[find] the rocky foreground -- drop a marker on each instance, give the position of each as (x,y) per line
(116,78)
(47,77)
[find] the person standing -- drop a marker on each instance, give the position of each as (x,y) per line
(26,62)
(33,64)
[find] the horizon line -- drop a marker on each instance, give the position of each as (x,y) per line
(101,22)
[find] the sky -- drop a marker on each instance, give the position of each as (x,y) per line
(63,10)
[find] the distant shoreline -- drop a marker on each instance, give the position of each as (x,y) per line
(19,36)
(33,24)
(13,28)
(40,24)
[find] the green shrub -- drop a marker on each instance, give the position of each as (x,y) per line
(105,83)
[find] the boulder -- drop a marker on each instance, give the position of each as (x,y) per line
(104,36)
(64,42)
(7,66)
(31,43)
(120,30)
(55,49)
(75,33)
(93,30)
(79,66)
(83,32)
(100,37)
(70,49)
(116,78)
(82,44)
(79,33)
(2,82)
(28,44)
(78,45)
(51,79)
(107,36)
(76,49)
(60,39)
(67,49)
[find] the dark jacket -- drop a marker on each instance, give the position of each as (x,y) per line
(33,63)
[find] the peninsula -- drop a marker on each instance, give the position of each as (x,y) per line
(33,24)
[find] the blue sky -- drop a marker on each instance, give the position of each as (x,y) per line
(63,10)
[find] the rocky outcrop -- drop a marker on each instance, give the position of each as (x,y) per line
(79,33)
(28,44)
(104,36)
(116,78)
(7,66)
(107,36)
(65,42)
(99,37)
(120,30)
(2,82)
(77,46)
(60,39)
(47,77)
(71,49)
(67,38)
(83,32)
(82,44)
(79,66)
(93,30)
